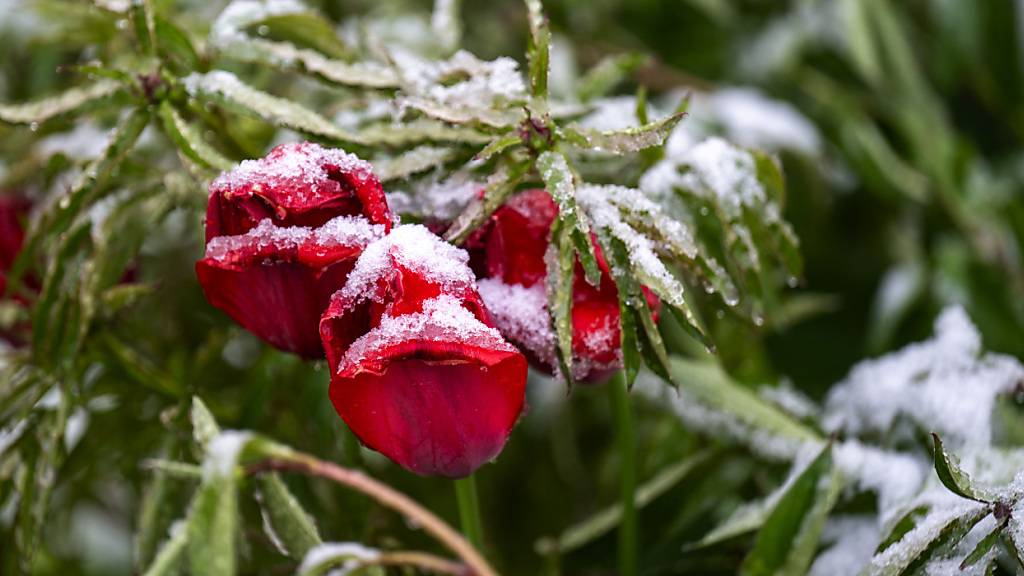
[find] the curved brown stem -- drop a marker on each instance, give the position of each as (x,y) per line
(423,561)
(387,496)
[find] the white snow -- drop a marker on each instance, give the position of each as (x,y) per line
(415,248)
(943,385)
(85,142)
(751,119)
(790,399)
(339,232)
(294,166)
(11,434)
(443,320)
(438,199)
(850,541)
(894,476)
(348,554)
(521,314)
(222,453)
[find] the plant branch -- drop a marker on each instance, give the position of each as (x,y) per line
(385,495)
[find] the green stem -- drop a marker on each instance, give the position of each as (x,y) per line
(469,510)
(626,444)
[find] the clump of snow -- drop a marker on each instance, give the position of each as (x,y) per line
(339,232)
(521,314)
(415,248)
(751,119)
(617,113)
(222,453)
(443,320)
(295,166)
(895,477)
(850,541)
(350,555)
(944,384)
(85,142)
(790,399)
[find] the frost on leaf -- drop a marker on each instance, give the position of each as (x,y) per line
(462,89)
(740,190)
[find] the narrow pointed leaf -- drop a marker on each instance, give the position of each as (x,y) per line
(607,74)
(414,161)
(74,99)
(189,141)
(951,475)
(984,546)
(226,87)
(627,140)
(285,520)
(538,54)
(288,56)
(171,555)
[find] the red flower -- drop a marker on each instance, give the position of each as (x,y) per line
(282,233)
(514,243)
(417,371)
(13,212)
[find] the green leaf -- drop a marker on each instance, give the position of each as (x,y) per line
(607,74)
(499,145)
(411,162)
(560,260)
(706,384)
(745,520)
(420,130)
(213,523)
(169,559)
(908,555)
(89,187)
(175,46)
(287,56)
(626,140)
(538,53)
(984,546)
(154,515)
(952,477)
(67,102)
(204,425)
(498,187)
(789,537)
(307,29)
(189,140)
(606,520)
(227,88)
(338,555)
(145,25)
(284,518)
(141,369)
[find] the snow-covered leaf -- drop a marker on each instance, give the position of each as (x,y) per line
(498,187)
(288,56)
(336,556)
(189,140)
(169,558)
(561,259)
(204,425)
(227,88)
(626,140)
(72,100)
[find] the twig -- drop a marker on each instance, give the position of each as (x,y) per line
(387,496)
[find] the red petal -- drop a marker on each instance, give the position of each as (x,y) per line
(297,184)
(519,237)
(13,213)
(434,408)
(278,302)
